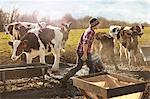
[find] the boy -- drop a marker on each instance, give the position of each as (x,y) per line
(84,50)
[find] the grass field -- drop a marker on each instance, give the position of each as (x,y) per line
(70,54)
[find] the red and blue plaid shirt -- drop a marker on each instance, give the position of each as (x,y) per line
(87,38)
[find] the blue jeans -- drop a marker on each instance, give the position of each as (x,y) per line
(88,62)
(79,65)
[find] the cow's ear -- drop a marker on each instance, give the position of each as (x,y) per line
(122,32)
(62,28)
(142,27)
(69,24)
(63,24)
(25,43)
(10,43)
(131,28)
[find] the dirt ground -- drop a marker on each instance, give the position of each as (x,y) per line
(33,88)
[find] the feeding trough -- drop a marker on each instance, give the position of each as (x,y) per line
(112,86)
(11,72)
(145,51)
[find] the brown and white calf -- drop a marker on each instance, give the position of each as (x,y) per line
(128,38)
(41,42)
(103,44)
(16,29)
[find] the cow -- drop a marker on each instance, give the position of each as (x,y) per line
(128,38)
(13,29)
(103,44)
(41,42)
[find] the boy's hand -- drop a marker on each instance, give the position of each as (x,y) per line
(84,57)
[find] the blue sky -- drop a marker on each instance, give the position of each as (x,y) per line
(126,10)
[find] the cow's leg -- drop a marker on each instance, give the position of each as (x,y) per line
(129,57)
(55,66)
(115,46)
(29,59)
(135,55)
(120,51)
(135,58)
(126,53)
(42,58)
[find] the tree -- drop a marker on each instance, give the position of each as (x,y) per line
(68,18)
(84,22)
(3,19)
(29,17)
(14,15)
(46,20)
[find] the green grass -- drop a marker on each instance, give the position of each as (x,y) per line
(145,39)
(71,45)
(4,42)
(74,37)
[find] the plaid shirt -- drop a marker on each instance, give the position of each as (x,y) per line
(87,38)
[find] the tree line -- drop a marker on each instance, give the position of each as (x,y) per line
(14,15)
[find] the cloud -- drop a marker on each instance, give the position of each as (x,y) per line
(128,10)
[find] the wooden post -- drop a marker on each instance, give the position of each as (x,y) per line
(4,80)
(43,74)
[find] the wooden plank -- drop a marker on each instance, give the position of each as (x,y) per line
(130,96)
(4,80)
(89,87)
(144,50)
(125,90)
(22,67)
(92,75)
(126,79)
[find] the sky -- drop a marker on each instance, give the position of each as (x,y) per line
(124,10)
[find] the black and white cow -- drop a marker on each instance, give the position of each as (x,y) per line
(41,42)
(13,28)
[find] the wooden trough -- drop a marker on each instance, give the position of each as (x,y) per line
(145,51)
(109,86)
(11,72)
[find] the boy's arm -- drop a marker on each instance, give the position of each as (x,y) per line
(85,47)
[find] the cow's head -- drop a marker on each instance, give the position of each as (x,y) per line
(8,28)
(98,36)
(66,27)
(42,25)
(12,29)
(65,30)
(18,48)
(21,29)
(138,29)
(116,30)
(126,33)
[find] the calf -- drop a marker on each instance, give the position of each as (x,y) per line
(128,38)
(40,42)
(104,45)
